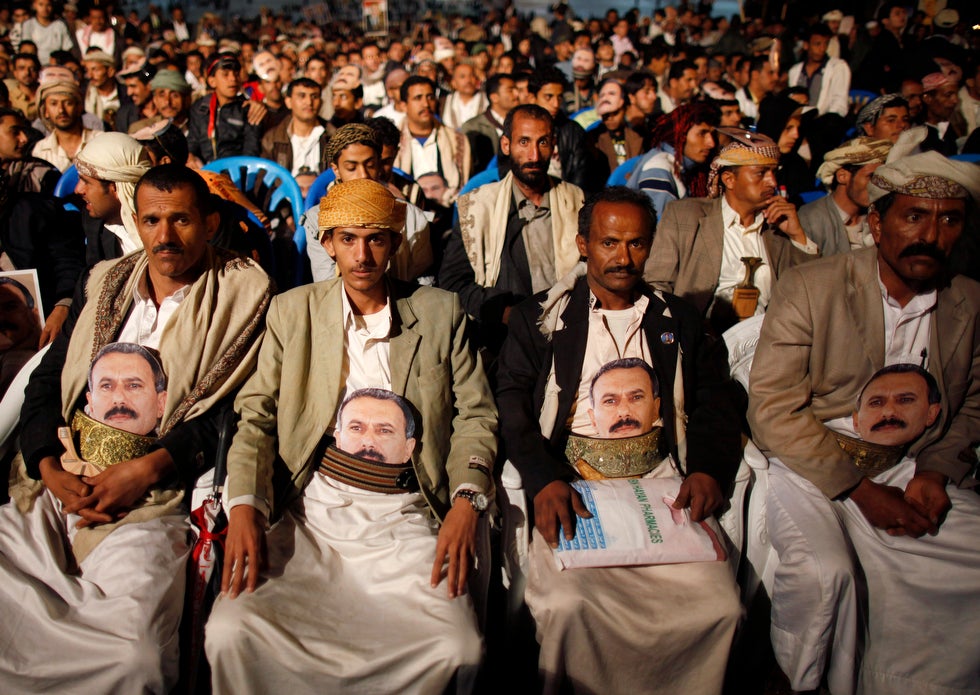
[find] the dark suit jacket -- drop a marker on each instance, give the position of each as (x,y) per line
(37,232)
(713,438)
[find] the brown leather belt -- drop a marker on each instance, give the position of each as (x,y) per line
(375,476)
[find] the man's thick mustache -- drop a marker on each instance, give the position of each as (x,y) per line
(632,270)
(625,422)
(889,422)
(371,454)
(923,249)
(172,248)
(121,410)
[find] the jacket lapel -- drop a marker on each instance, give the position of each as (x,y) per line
(709,241)
(568,348)
(864,302)
(326,353)
(949,326)
(404,341)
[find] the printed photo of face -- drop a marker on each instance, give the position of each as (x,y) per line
(377,425)
(126,390)
(894,409)
(624,401)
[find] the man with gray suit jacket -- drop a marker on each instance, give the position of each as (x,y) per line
(837,223)
(843,515)
(701,246)
(353,596)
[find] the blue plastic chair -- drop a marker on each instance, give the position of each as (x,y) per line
(488,176)
(621,174)
(244,172)
(66,186)
(857,99)
(972,158)
(810,196)
(319,187)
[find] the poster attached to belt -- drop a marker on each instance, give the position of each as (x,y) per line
(375,17)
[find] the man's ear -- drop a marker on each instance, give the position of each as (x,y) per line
(874,224)
(161,403)
(583,245)
(727,180)
(505,145)
(933,413)
(213,221)
(326,240)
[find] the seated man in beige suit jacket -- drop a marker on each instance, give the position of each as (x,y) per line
(843,516)
(353,598)
(700,243)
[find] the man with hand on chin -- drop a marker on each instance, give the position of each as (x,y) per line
(700,242)
(361,544)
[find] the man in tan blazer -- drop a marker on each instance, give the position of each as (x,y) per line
(356,561)
(841,514)
(700,242)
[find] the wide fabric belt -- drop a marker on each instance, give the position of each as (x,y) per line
(390,479)
(632,457)
(101,445)
(872,459)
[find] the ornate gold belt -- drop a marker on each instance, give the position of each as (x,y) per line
(99,444)
(632,457)
(870,458)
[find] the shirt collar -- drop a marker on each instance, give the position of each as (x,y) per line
(356,321)
(640,305)
(141,292)
(520,199)
(919,305)
(731,220)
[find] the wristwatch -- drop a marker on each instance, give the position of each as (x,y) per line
(478,500)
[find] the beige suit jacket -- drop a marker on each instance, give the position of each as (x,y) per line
(292,398)
(686,255)
(824,337)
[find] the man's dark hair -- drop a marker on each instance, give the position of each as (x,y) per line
(167,177)
(13,113)
(637,80)
(539,78)
(28,297)
(894,101)
(382,395)
(411,82)
(532,111)
(492,85)
(616,194)
(677,69)
(818,29)
(170,142)
(159,377)
(387,132)
(63,57)
(655,51)
(625,363)
(319,57)
(26,56)
(301,82)
(850,168)
(757,64)
(886,8)
(932,387)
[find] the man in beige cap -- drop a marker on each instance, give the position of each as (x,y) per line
(837,223)
(102,97)
(700,242)
(59,102)
(842,517)
(360,545)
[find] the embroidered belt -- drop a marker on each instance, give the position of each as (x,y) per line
(99,444)
(871,458)
(374,476)
(632,457)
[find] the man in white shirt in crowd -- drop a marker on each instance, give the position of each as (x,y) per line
(59,102)
(46,31)
(827,79)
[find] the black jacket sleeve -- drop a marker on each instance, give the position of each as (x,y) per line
(485,304)
(523,367)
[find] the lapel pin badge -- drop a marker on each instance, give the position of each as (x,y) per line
(667,338)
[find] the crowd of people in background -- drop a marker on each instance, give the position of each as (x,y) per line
(509,205)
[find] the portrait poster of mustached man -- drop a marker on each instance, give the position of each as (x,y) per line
(376,425)
(127,391)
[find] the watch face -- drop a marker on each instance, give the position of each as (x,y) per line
(480,502)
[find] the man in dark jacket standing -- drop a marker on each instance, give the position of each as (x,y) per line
(218,124)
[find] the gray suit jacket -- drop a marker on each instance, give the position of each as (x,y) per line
(824,337)
(291,400)
(822,223)
(686,255)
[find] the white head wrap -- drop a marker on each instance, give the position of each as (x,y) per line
(926,175)
(119,158)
